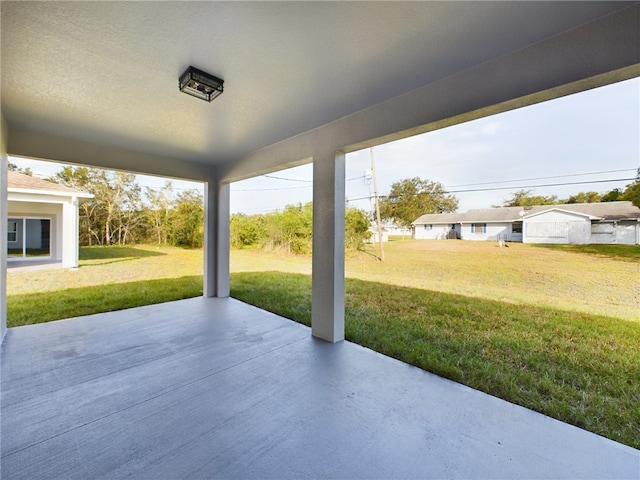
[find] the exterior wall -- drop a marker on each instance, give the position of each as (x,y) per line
(557,228)
(494,231)
(628,233)
(620,233)
(432,232)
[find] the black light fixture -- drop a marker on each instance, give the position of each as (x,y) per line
(200,84)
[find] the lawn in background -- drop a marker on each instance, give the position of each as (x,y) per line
(551,328)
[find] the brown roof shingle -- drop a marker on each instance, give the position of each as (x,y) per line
(17,180)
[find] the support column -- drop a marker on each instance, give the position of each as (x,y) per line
(3,227)
(70,234)
(327,303)
(216,239)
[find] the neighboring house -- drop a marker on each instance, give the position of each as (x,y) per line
(373,238)
(579,223)
(42,220)
(437,226)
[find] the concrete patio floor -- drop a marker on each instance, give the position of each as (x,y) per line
(215,388)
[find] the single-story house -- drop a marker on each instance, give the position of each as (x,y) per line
(578,223)
(42,220)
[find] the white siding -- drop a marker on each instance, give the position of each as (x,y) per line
(494,231)
(621,233)
(628,233)
(432,232)
(557,227)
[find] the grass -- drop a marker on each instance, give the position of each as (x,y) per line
(26,309)
(614,252)
(553,328)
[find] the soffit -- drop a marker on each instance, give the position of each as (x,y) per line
(106,72)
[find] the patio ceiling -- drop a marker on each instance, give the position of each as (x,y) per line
(106,72)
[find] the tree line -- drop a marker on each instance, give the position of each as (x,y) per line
(290,230)
(122,213)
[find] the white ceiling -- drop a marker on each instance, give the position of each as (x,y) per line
(107,72)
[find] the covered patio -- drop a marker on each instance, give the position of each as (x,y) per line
(211,387)
(215,388)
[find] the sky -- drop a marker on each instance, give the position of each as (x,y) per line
(592,136)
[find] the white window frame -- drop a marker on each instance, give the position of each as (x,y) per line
(24,238)
(13,231)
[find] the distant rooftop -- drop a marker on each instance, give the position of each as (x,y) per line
(20,181)
(603,210)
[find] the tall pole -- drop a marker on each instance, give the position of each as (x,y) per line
(375,195)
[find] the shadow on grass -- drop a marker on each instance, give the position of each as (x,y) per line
(623,253)
(113,252)
(29,309)
(579,368)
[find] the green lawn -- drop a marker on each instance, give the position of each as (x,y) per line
(555,329)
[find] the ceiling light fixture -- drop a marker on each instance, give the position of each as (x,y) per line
(200,84)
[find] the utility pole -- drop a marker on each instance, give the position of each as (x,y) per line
(375,194)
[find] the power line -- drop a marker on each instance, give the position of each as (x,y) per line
(505,188)
(306,181)
(287,179)
(541,185)
(544,178)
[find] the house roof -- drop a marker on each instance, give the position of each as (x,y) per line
(20,183)
(439,218)
(106,73)
(605,210)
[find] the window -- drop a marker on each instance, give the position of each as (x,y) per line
(516,227)
(428,227)
(478,228)
(12,232)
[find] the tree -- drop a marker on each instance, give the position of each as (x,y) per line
(160,203)
(294,227)
(584,197)
(112,216)
(612,196)
(413,197)
(523,198)
(356,226)
(12,167)
(186,220)
(632,192)
(246,230)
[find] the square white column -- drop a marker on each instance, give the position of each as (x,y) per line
(3,227)
(216,239)
(327,303)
